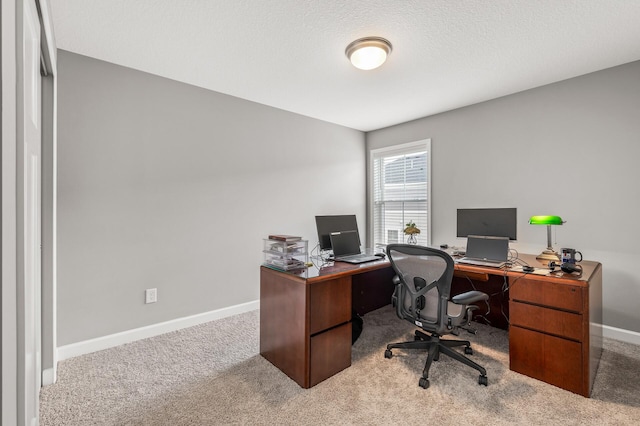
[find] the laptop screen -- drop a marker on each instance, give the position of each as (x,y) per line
(345,243)
(488,248)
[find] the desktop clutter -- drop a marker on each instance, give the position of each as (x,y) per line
(338,241)
(495,252)
(488,233)
(288,253)
(569,261)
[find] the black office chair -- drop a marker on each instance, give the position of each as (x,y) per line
(421,296)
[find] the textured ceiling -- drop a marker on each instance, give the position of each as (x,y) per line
(289,54)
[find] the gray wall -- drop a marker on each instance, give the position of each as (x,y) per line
(569,149)
(166,185)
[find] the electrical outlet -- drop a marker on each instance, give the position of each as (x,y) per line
(151,295)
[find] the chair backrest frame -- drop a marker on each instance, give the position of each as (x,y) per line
(442,275)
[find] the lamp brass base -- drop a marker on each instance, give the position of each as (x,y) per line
(548,256)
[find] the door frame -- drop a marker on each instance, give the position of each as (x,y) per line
(8,76)
(12,122)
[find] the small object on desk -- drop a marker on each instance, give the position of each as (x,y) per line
(527,268)
(285,255)
(380,255)
(533,270)
(444,246)
(282,237)
(571,268)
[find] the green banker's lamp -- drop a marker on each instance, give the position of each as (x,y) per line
(549,254)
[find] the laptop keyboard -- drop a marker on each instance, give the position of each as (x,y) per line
(363,257)
(482,262)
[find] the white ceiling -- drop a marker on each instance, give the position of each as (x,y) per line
(289,54)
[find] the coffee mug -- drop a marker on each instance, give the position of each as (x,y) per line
(569,255)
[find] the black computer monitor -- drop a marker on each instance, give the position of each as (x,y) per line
(337,223)
(496,222)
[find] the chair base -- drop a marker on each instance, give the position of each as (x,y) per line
(434,345)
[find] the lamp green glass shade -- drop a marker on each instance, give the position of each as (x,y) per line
(548,255)
(545,220)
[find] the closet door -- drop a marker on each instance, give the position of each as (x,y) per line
(29,242)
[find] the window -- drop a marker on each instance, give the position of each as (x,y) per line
(400,192)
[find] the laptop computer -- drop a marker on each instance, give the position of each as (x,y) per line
(346,248)
(486,251)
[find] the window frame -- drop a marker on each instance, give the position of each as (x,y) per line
(405,148)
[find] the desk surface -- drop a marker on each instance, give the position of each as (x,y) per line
(542,270)
(337,269)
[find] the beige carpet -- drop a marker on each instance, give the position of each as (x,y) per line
(213,374)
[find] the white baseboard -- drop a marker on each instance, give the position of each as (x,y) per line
(106,342)
(621,334)
(48,376)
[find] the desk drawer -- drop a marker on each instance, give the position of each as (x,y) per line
(552,321)
(554,295)
(550,359)
(330,353)
(329,304)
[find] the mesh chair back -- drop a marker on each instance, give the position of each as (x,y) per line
(425,276)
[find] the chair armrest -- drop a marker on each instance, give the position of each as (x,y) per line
(469,297)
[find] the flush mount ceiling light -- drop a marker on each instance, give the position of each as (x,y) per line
(368,53)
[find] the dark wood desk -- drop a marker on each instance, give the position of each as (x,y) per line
(305,318)
(555,332)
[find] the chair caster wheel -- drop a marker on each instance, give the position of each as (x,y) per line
(468,350)
(424,383)
(388,353)
(482,380)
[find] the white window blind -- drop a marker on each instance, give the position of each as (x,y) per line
(401,192)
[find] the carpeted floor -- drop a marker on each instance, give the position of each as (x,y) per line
(213,374)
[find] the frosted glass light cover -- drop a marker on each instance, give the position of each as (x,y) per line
(368,53)
(368,58)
